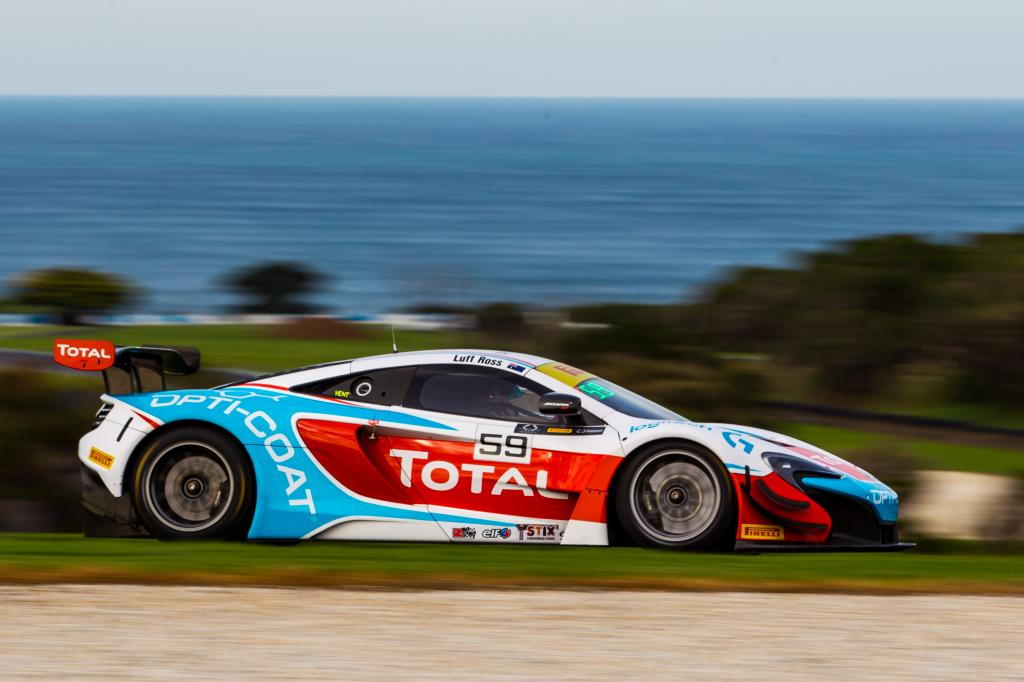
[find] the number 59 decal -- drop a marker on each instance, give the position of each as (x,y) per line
(496,444)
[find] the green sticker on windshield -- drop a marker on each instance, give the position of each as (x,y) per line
(596,390)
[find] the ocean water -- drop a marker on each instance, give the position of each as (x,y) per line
(458,201)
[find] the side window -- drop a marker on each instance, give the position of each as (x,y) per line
(380,387)
(477,392)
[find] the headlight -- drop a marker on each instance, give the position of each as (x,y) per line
(793,468)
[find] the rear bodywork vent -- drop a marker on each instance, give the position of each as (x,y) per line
(102,414)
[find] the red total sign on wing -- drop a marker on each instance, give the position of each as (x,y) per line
(84,354)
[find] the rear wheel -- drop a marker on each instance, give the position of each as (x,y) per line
(193,483)
(675,495)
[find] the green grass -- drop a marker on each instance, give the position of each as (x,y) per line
(930,454)
(238,346)
(43,558)
(17,331)
(978,414)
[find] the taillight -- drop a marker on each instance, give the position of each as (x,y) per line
(102,414)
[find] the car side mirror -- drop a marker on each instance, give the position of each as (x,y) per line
(560,403)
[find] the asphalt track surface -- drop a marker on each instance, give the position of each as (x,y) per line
(146,632)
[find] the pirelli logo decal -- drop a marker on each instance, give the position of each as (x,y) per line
(101,458)
(757,531)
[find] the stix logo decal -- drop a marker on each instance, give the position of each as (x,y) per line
(101,458)
(757,531)
(83,354)
(539,532)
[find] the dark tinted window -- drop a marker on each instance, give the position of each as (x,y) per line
(380,387)
(480,392)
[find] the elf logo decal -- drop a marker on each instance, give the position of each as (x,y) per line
(83,354)
(439,475)
(497,533)
(260,424)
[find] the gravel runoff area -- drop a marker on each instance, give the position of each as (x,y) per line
(76,631)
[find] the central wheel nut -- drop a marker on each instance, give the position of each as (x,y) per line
(193,488)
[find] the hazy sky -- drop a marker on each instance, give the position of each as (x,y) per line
(672,48)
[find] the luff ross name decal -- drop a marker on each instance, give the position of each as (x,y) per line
(479,360)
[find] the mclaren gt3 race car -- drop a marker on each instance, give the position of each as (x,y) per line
(454,446)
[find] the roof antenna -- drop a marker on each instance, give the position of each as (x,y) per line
(394,344)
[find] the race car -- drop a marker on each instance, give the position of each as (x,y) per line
(455,446)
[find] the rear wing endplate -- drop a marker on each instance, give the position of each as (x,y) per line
(141,369)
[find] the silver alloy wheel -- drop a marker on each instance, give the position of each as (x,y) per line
(675,496)
(188,486)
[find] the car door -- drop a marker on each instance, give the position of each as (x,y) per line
(502,472)
(355,452)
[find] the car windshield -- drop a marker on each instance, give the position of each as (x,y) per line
(625,401)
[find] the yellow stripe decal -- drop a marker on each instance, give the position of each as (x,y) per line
(567,374)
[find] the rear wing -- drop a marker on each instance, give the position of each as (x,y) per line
(141,369)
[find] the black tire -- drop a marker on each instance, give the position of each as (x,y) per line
(675,495)
(194,483)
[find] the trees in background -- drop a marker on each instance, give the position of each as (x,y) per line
(848,322)
(503,320)
(854,322)
(276,288)
(859,314)
(72,293)
(852,313)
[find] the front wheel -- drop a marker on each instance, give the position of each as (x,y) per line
(675,495)
(193,483)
